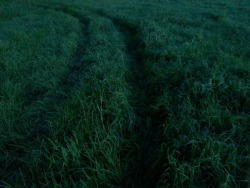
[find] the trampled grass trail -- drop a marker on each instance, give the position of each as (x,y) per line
(67,84)
(147,124)
(124,94)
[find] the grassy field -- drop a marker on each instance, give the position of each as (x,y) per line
(125,93)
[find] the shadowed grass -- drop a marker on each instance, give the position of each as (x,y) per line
(124,94)
(148,122)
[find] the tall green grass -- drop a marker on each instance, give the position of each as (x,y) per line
(124,93)
(194,69)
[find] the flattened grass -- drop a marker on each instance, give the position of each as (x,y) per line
(73,94)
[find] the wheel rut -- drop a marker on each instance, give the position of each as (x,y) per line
(41,106)
(76,66)
(69,82)
(147,127)
(142,172)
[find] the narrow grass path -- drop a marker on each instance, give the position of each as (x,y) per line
(68,83)
(148,122)
(42,105)
(76,66)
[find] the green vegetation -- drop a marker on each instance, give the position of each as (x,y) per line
(124,93)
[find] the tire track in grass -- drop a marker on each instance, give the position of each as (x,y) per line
(76,66)
(43,106)
(147,127)
(68,83)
